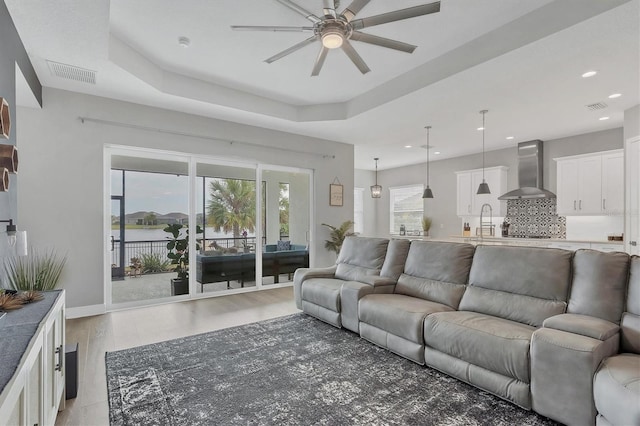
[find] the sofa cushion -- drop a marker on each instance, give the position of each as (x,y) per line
(323,292)
(436,271)
(599,284)
(360,256)
(496,344)
(524,284)
(395,259)
(398,314)
(616,389)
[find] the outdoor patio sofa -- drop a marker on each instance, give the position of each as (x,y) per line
(543,328)
(218,267)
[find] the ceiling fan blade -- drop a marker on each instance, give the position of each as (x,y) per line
(382,41)
(301,10)
(396,15)
(329,8)
(270,28)
(291,49)
(355,58)
(353,9)
(319,61)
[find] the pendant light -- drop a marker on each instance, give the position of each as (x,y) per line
(376,190)
(484,186)
(427,192)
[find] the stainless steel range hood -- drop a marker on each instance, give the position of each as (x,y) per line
(529,173)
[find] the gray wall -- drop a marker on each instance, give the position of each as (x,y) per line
(62,201)
(632,122)
(442,208)
(12,52)
(364,179)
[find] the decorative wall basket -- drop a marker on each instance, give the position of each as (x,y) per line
(4,180)
(9,158)
(5,119)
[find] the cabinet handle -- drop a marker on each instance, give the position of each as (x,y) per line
(59,353)
(469,208)
(604,204)
(574,204)
(580,205)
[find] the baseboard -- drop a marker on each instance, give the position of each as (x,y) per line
(85,311)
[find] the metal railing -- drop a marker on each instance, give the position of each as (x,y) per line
(159,247)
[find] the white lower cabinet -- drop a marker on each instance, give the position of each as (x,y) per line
(35,394)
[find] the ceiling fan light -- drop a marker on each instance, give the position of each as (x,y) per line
(332,39)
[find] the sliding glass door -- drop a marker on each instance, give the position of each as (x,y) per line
(148,196)
(286,235)
(226,212)
(188,226)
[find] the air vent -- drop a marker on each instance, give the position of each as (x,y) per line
(71,72)
(597,106)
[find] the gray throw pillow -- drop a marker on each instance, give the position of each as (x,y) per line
(283,245)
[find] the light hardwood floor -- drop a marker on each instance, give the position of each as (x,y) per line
(125,329)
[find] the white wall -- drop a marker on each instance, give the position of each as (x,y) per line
(61,200)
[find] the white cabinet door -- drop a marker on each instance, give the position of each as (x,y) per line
(613,183)
(465,199)
(590,185)
(469,202)
(567,203)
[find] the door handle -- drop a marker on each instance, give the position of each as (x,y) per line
(113,243)
(59,353)
(574,204)
(580,205)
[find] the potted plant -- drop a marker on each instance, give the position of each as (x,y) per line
(426,225)
(337,236)
(178,247)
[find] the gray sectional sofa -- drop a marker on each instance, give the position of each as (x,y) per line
(551,330)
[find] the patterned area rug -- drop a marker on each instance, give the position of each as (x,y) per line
(293,370)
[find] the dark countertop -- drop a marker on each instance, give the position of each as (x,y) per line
(17,328)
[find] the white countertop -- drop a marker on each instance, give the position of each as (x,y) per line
(510,240)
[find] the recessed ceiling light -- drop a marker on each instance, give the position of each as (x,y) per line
(408,146)
(615,95)
(184,42)
(480,128)
(589,74)
(603,118)
(437,153)
(509,138)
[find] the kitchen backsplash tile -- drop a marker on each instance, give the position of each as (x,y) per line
(535,217)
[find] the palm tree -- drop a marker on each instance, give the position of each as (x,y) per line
(284,209)
(232,206)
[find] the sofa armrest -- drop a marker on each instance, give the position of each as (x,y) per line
(584,325)
(562,368)
(377,281)
(303,274)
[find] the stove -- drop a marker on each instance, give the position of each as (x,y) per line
(529,236)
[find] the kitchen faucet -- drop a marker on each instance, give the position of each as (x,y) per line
(484,224)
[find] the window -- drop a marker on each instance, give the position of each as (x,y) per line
(358,210)
(406,208)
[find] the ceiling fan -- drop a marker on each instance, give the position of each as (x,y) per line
(336,30)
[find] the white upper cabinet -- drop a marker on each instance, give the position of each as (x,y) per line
(469,203)
(613,183)
(591,184)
